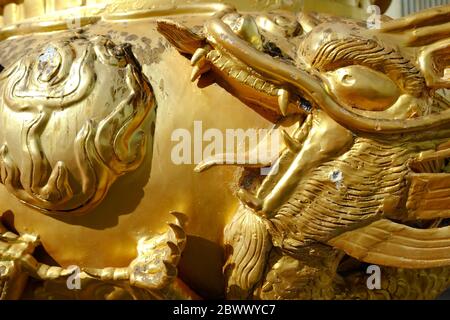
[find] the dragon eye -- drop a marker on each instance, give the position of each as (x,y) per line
(362,88)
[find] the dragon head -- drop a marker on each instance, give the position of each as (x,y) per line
(373,120)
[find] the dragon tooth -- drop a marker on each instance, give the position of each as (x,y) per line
(242,75)
(197,71)
(259,84)
(198,55)
(290,142)
(250,80)
(283,100)
(234,73)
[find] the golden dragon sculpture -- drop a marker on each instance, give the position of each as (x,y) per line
(362,178)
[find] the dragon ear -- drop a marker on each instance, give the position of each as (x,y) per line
(434,62)
(180,36)
(429,33)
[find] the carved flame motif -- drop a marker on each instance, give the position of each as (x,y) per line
(365,173)
(59,87)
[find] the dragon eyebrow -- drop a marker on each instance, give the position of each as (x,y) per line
(338,53)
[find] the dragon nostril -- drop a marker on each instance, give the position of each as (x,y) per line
(348,79)
(272,49)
